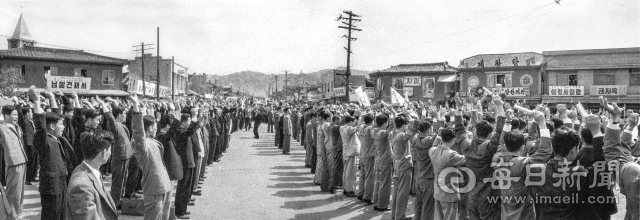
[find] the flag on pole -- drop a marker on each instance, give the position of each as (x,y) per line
(396,97)
(362,97)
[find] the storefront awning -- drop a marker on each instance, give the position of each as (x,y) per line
(447,78)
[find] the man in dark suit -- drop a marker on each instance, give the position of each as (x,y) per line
(53,158)
(121,149)
(184,148)
(86,197)
(257,117)
(25,120)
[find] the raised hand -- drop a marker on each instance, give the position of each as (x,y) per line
(74,95)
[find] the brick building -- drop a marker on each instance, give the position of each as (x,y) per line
(333,88)
(587,74)
(151,73)
(58,69)
(421,81)
(517,74)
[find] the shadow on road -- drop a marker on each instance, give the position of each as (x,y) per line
(295,193)
(293,185)
(279,173)
(287,167)
(292,179)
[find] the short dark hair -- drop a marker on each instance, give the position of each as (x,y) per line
(557,123)
(381,119)
(425,126)
(148,121)
(368,118)
(513,141)
(348,119)
(25,110)
(564,140)
(400,121)
(94,142)
(484,129)
(324,115)
(52,118)
(8,109)
(91,114)
(165,120)
(489,118)
(117,111)
(447,135)
(586,135)
(286,109)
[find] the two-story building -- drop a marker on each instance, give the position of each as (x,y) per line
(517,74)
(332,86)
(60,69)
(420,81)
(584,75)
(153,69)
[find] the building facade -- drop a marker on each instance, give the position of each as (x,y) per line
(332,86)
(517,74)
(58,69)
(434,81)
(584,75)
(151,75)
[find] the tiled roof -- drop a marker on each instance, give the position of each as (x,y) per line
(593,59)
(41,53)
(421,67)
(502,60)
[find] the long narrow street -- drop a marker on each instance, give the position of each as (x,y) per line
(254,180)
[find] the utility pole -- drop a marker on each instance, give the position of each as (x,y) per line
(350,28)
(286,80)
(144,84)
(158,66)
(173,78)
(276,87)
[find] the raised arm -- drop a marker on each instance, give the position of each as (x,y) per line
(613,149)
(137,126)
(543,152)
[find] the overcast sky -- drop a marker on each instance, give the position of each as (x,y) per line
(222,37)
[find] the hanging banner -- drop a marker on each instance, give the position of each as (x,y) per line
(609,90)
(566,90)
(370,92)
(428,87)
(69,83)
(412,80)
(340,92)
(512,91)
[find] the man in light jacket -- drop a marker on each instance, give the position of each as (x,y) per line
(351,149)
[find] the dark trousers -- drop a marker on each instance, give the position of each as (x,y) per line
(133,175)
(270,126)
(256,124)
(213,150)
(314,158)
(120,172)
(32,164)
(247,124)
(337,177)
(52,206)
(183,192)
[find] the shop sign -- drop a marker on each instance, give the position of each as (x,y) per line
(512,91)
(69,83)
(428,87)
(340,91)
(566,90)
(412,80)
(612,90)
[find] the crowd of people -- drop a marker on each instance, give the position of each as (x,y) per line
(69,145)
(486,159)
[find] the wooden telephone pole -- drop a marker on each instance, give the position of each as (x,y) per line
(144,84)
(350,28)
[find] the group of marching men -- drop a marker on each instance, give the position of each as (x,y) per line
(68,145)
(563,164)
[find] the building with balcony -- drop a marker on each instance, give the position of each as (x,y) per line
(423,81)
(584,75)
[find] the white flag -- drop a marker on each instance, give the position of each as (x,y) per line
(362,97)
(396,97)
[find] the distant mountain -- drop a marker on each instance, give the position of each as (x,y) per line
(257,83)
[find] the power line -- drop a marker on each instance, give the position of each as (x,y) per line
(350,27)
(456,33)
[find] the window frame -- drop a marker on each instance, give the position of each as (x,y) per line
(110,77)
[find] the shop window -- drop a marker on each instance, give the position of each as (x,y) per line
(51,70)
(634,77)
(79,72)
(604,79)
(108,77)
(573,80)
(398,83)
(500,80)
(20,70)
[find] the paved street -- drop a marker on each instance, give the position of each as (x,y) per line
(254,180)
